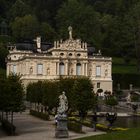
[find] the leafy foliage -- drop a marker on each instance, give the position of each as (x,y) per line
(25,28)
(50,94)
(83,95)
(11,97)
(79,92)
(111,100)
(3,54)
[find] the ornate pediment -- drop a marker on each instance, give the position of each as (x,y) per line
(70,44)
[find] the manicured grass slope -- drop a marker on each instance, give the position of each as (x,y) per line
(119,66)
(132,134)
(124,69)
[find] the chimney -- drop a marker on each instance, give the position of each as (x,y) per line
(38,43)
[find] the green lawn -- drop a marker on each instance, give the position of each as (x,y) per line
(120,61)
(119,66)
(132,134)
(124,69)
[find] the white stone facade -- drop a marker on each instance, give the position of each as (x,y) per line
(67,58)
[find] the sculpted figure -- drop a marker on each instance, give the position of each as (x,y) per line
(63,103)
(70,32)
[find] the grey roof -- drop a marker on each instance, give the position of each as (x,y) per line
(44,47)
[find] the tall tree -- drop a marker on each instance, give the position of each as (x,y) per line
(83,95)
(19,9)
(25,28)
(11,95)
(83,19)
(47,32)
(134,15)
(50,95)
(3,54)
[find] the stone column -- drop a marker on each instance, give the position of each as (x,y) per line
(83,68)
(94,69)
(86,69)
(35,70)
(19,68)
(8,69)
(57,68)
(74,68)
(66,68)
(27,68)
(44,68)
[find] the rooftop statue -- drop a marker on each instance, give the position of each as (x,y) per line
(70,32)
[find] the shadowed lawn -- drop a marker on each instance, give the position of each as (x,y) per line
(119,66)
(131,134)
(124,69)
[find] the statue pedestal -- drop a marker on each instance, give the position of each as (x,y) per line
(61,130)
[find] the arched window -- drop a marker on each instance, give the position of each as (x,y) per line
(61,68)
(78,69)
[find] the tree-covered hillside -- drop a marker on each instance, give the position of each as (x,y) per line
(110,25)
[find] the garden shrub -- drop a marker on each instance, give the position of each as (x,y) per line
(75,126)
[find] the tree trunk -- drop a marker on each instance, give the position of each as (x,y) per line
(137,47)
(12,117)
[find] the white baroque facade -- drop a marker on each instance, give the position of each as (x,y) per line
(67,58)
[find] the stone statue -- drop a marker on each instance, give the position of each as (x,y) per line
(38,41)
(70,32)
(63,104)
(61,130)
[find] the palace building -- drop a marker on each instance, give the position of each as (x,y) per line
(67,58)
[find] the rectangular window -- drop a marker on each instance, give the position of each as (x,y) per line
(98,85)
(78,70)
(39,69)
(61,69)
(14,69)
(98,70)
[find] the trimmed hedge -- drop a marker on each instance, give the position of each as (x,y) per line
(75,126)
(125,80)
(8,127)
(40,115)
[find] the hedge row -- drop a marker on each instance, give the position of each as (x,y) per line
(88,123)
(40,115)
(125,80)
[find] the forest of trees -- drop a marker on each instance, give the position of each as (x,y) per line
(110,25)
